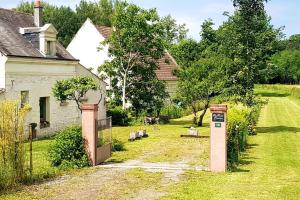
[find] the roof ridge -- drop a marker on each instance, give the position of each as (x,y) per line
(15,11)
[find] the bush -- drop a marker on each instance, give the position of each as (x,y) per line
(117,145)
(68,149)
(241,123)
(119,116)
(172,111)
(12,154)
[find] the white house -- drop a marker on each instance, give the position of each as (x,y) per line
(31,61)
(85,47)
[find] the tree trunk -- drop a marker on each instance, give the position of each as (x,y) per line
(195,114)
(200,123)
(124,92)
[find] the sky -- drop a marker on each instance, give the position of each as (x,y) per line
(193,12)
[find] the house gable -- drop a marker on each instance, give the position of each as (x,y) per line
(85,47)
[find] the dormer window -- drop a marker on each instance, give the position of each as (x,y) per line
(48,48)
(46,38)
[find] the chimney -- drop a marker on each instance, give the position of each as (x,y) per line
(38,13)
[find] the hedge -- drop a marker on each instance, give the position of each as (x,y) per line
(241,123)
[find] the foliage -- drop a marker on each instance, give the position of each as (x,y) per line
(293,43)
(117,145)
(147,96)
(186,52)
(249,40)
(12,154)
(241,122)
(135,46)
(119,116)
(286,67)
(99,12)
(174,33)
(172,111)
(74,89)
(68,150)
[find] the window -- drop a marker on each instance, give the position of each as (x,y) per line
(44,112)
(24,98)
(49,52)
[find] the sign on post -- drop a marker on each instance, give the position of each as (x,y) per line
(218,143)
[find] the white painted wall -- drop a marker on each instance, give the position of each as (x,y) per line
(85,44)
(3,60)
(38,77)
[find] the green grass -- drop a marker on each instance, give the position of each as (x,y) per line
(164,143)
(270,168)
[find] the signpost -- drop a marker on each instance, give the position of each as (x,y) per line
(218,144)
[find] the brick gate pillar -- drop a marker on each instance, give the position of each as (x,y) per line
(89,129)
(218,138)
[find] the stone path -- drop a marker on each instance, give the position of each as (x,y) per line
(138,164)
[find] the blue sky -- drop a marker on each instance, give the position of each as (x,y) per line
(194,12)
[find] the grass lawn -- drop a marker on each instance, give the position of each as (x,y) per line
(270,168)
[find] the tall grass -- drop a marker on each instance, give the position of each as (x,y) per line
(12,154)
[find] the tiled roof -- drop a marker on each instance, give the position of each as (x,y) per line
(12,43)
(167,64)
(105,31)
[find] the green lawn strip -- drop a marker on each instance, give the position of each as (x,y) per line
(270,168)
(164,143)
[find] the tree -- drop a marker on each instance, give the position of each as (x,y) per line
(249,40)
(288,65)
(74,89)
(186,52)
(174,32)
(100,12)
(202,74)
(147,95)
(135,46)
(202,82)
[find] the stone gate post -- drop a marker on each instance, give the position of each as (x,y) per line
(218,138)
(89,129)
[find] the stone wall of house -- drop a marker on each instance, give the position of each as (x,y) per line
(38,77)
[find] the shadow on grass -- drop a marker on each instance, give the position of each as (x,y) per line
(245,160)
(277,129)
(272,94)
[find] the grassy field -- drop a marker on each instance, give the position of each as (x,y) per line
(270,168)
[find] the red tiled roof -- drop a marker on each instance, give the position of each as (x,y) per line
(167,64)
(105,31)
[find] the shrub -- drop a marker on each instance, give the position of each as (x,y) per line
(12,155)
(68,149)
(172,111)
(241,123)
(119,116)
(117,145)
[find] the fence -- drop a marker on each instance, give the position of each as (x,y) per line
(104,128)
(104,143)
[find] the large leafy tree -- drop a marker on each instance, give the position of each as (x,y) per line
(249,40)
(202,77)
(135,46)
(173,32)
(286,67)
(100,12)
